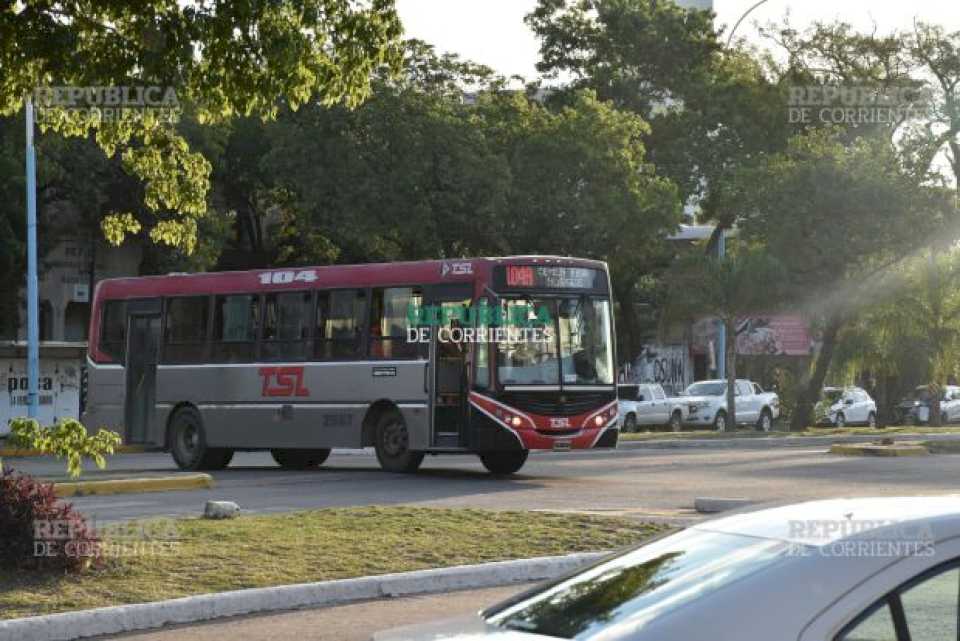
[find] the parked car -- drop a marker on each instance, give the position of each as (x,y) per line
(840,570)
(915,409)
(841,406)
(707,405)
(648,404)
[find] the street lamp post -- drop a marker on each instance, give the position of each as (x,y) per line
(33,302)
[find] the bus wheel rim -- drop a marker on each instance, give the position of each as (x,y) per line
(188,439)
(395,439)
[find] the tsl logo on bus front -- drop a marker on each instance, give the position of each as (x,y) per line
(282,381)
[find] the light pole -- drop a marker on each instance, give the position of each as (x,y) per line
(721,240)
(33,302)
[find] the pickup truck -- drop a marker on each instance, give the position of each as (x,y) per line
(707,405)
(646,404)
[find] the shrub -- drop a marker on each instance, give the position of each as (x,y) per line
(68,438)
(40,532)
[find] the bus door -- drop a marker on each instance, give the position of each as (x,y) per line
(448,368)
(143,342)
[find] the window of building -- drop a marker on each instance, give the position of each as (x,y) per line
(286,326)
(389,322)
(113,330)
(235,321)
(185,330)
(340,319)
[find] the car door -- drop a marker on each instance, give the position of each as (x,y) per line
(747,401)
(661,411)
(645,406)
(859,407)
(923,586)
(952,404)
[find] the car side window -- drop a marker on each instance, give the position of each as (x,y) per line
(658,393)
(642,393)
(877,626)
(930,607)
(757,389)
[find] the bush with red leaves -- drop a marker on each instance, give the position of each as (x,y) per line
(40,532)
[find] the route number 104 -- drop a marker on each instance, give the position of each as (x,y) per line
(285,277)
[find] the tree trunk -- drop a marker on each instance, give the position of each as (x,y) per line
(730,329)
(802,412)
(936,391)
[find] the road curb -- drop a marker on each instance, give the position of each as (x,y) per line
(130,486)
(12,452)
(773,442)
(142,616)
(875,449)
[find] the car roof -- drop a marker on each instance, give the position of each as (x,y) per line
(837,520)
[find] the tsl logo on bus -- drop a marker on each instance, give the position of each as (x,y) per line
(283,381)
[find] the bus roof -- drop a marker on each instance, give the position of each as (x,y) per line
(330,276)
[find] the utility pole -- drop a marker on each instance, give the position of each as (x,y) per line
(33,294)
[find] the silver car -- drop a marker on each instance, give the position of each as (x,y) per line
(879,569)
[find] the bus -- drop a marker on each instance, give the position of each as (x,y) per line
(486,356)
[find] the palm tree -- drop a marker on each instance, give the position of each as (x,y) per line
(744,281)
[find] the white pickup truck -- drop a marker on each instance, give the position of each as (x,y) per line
(707,405)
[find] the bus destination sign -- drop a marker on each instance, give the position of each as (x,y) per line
(550,277)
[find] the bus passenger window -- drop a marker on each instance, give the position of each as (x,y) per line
(235,320)
(185,330)
(388,322)
(113,330)
(286,327)
(340,315)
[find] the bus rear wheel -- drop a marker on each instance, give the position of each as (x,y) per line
(188,443)
(300,459)
(504,463)
(392,444)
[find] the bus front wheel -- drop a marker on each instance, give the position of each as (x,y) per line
(392,445)
(300,459)
(188,443)
(504,463)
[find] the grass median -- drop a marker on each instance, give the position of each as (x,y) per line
(259,551)
(749,432)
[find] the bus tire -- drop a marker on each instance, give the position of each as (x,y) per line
(391,443)
(300,459)
(188,443)
(504,463)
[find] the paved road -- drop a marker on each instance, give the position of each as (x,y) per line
(353,622)
(639,482)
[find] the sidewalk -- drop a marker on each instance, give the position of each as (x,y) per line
(352,622)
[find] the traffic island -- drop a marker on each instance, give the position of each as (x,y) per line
(884,447)
(171,483)
(189,557)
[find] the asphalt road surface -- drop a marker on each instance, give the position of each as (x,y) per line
(648,482)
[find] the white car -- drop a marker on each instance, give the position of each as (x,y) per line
(707,405)
(847,406)
(648,404)
(875,569)
(949,404)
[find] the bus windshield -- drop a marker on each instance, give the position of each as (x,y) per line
(579,350)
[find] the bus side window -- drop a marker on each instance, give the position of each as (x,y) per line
(340,317)
(235,320)
(388,322)
(286,327)
(185,332)
(113,330)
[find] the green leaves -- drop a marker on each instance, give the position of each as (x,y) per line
(223,59)
(67,439)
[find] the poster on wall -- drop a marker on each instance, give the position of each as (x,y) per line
(770,335)
(59,391)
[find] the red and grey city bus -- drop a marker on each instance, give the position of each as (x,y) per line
(298,361)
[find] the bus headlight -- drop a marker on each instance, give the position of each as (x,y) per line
(515,421)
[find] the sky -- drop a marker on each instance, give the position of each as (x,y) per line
(492,32)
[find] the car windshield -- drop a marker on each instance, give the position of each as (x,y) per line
(832,395)
(706,389)
(641,585)
(580,353)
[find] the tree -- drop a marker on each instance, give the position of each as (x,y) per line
(220,59)
(839,215)
(744,281)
